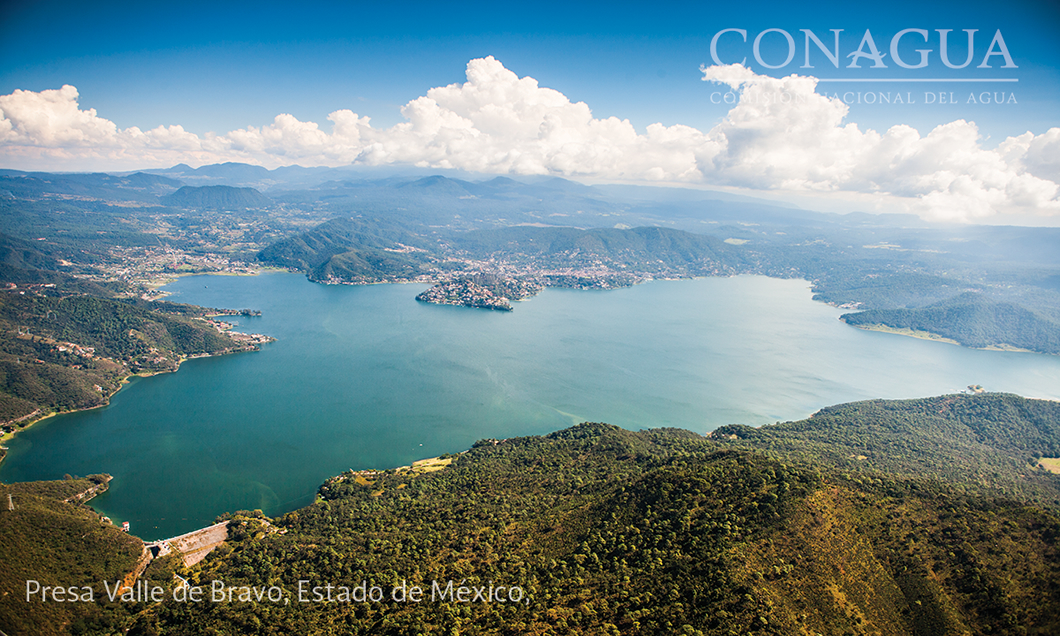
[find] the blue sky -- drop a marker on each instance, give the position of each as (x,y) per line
(219,67)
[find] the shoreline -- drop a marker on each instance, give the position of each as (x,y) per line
(367,476)
(934,337)
(9,436)
(122,383)
(172,278)
(912,333)
(881,328)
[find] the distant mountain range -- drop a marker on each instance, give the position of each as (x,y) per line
(358,225)
(133,187)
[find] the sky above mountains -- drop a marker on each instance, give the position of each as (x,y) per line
(852,107)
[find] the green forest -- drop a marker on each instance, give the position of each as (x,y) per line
(973,321)
(49,540)
(926,517)
(62,349)
(778,530)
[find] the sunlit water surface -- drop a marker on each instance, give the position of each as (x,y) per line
(366,377)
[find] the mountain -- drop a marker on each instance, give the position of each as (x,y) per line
(51,541)
(599,530)
(229,170)
(985,444)
(351,249)
(217,197)
(139,186)
(635,243)
(23,254)
(370,247)
(58,283)
(62,352)
(251,176)
(664,532)
(972,320)
(229,173)
(437,186)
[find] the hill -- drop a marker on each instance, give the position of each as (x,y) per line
(971,320)
(987,444)
(139,186)
(56,543)
(217,197)
(372,249)
(638,251)
(61,352)
(351,249)
(599,530)
(664,532)
(24,255)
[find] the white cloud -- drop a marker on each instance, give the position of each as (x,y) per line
(51,119)
(48,131)
(780,135)
(1037,154)
(784,135)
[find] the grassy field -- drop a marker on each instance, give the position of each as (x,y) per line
(1051,464)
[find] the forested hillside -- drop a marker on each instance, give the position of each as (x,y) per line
(985,444)
(641,250)
(62,351)
(600,530)
(57,543)
(973,321)
(217,197)
(353,249)
(357,249)
(665,532)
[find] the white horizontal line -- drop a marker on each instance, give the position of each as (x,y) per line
(918,79)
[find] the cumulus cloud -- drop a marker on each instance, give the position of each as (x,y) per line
(48,130)
(51,119)
(497,122)
(780,134)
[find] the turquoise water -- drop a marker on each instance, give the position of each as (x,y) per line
(365,377)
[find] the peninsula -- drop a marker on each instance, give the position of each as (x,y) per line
(62,350)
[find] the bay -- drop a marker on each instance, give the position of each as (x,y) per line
(366,377)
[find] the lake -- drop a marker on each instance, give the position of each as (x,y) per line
(366,377)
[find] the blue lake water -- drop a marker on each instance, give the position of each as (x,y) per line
(366,377)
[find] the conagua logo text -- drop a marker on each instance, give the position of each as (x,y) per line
(867,54)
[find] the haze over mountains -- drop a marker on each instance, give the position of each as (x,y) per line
(115,236)
(355,225)
(591,507)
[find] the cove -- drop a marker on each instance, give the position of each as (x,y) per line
(366,377)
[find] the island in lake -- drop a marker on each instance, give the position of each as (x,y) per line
(482,291)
